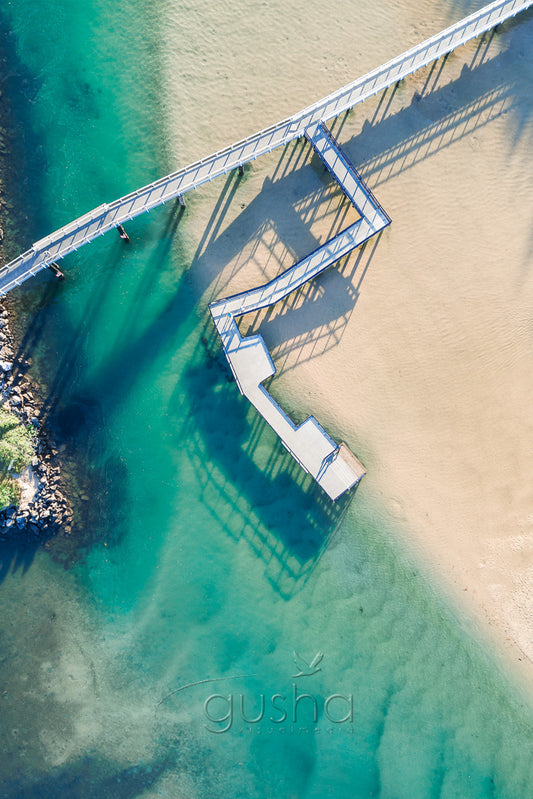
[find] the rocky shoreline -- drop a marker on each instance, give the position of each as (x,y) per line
(44,507)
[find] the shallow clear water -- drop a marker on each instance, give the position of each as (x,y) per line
(206,558)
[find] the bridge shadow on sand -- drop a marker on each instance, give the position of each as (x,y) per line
(397,136)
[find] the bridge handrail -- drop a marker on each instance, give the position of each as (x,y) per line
(466,23)
(268,287)
(351,166)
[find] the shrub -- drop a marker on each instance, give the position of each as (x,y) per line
(16,452)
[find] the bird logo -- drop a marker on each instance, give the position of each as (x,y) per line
(307,669)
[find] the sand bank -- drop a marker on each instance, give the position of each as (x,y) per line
(416,350)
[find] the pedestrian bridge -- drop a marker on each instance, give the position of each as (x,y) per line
(107,216)
(334,467)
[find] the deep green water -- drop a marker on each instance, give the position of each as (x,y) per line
(205,555)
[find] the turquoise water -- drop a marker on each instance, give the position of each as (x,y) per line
(204,555)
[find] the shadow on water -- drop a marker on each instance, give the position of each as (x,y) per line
(390,143)
(16,555)
(91,778)
(249,482)
(22,154)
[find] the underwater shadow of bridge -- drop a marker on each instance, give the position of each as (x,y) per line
(249,482)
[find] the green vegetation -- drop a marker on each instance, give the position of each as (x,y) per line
(16,452)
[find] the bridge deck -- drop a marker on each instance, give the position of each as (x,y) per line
(105,217)
(334,468)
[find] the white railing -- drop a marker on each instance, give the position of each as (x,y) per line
(98,221)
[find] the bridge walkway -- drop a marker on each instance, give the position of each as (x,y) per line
(333,466)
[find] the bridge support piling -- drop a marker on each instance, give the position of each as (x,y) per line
(180,200)
(122,233)
(53,267)
(241,170)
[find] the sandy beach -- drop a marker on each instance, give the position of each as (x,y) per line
(416,350)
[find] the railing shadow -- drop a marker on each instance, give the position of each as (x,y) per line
(380,152)
(276,225)
(312,321)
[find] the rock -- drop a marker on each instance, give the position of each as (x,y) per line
(6,366)
(10,522)
(15,400)
(20,521)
